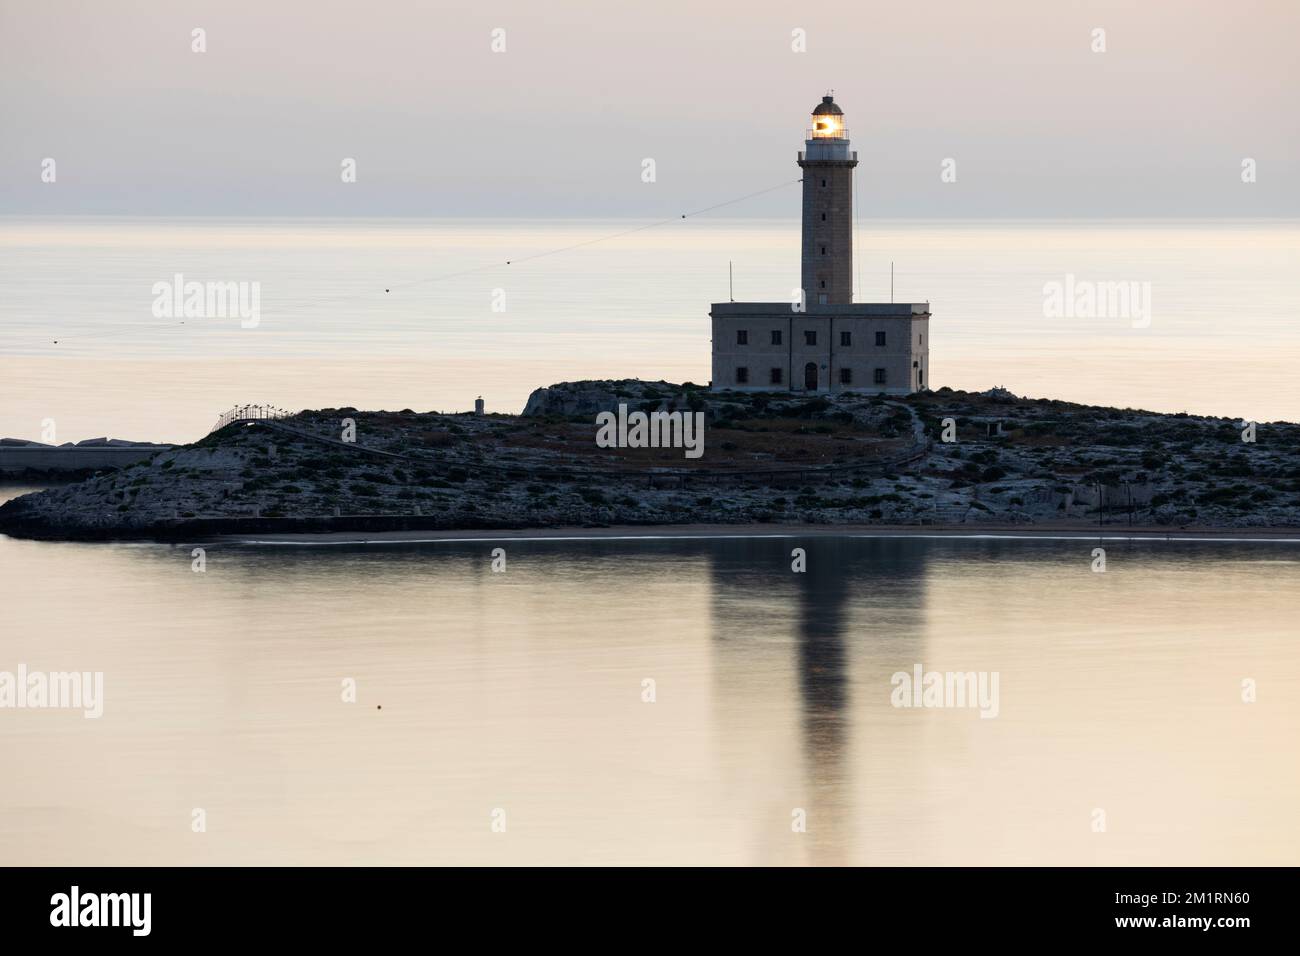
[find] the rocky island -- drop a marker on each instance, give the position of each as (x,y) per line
(937,458)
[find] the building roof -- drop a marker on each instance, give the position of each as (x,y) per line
(827,105)
(857,310)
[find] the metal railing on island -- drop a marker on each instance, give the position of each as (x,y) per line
(250,413)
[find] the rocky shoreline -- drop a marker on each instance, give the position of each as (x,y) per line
(936,459)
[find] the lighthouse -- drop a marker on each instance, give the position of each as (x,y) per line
(827,164)
(821,340)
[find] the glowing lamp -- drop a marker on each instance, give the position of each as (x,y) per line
(828,121)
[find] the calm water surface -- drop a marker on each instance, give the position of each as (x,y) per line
(522,691)
(79,344)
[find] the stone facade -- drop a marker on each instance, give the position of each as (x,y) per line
(827,271)
(827,342)
(858,347)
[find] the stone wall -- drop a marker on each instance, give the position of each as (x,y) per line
(827,259)
(16,459)
(903,357)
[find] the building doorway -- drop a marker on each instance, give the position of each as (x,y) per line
(810,376)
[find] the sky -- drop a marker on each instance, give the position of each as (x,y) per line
(1036,121)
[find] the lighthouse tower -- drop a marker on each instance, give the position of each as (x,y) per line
(827,164)
(820,340)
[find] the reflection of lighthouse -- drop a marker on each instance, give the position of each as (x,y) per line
(827,165)
(820,340)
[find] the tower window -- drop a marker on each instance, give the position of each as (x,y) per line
(823,250)
(810,337)
(823,217)
(823,184)
(776,376)
(880,338)
(823,283)
(880,376)
(846,339)
(776,336)
(742,337)
(846,376)
(742,375)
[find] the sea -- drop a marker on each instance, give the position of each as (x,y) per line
(733,699)
(432,314)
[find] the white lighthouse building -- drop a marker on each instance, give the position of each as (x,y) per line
(821,340)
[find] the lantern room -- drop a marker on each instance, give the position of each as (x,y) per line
(828,121)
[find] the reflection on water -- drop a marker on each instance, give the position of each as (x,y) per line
(522,692)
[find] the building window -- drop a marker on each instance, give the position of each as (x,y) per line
(846,340)
(921,339)
(821,299)
(823,217)
(776,376)
(880,376)
(742,375)
(742,337)
(823,250)
(810,337)
(880,338)
(823,285)
(846,376)
(823,184)
(776,336)
(920,377)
